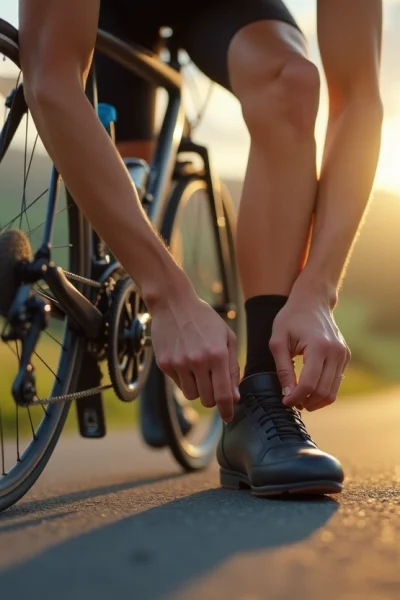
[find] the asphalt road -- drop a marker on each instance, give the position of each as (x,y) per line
(112,520)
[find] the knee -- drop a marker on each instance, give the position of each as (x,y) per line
(283,96)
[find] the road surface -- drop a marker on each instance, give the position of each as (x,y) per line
(112,520)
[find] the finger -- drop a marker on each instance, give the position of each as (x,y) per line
(308,380)
(339,376)
(205,387)
(188,384)
(170,372)
(284,364)
(222,386)
(323,391)
(234,367)
(337,382)
(181,376)
(322,404)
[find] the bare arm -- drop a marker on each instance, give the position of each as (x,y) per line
(349,33)
(57,41)
(192,343)
(350,43)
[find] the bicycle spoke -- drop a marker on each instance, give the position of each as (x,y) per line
(44,222)
(53,338)
(11,223)
(31,158)
(17,413)
(46,365)
(3,470)
(12,350)
(31,422)
(23,207)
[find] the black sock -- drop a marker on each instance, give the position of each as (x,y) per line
(260,315)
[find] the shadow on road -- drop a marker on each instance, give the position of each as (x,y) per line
(153,554)
(26,508)
(23,524)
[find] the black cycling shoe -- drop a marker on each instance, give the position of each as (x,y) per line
(266,446)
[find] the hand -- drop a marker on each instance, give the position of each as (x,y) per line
(306,326)
(195,347)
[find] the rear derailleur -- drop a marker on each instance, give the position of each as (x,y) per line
(28,317)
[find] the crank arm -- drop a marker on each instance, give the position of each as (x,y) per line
(81,311)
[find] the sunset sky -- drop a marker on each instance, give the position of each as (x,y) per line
(223,129)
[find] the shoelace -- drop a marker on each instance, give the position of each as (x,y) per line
(286,421)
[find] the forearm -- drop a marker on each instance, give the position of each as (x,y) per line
(101,186)
(347,174)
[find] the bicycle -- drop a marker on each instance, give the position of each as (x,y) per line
(94,308)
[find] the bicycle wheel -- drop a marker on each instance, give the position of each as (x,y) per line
(189,231)
(28,435)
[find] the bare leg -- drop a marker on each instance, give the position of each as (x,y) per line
(278,90)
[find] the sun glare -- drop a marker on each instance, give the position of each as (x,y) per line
(388,172)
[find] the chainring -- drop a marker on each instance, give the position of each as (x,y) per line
(129,350)
(103,301)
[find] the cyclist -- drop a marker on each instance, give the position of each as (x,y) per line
(295,231)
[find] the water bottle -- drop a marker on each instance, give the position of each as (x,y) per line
(139,171)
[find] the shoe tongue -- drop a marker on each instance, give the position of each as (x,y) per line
(266,391)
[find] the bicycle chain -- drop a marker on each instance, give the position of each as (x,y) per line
(68,397)
(81,279)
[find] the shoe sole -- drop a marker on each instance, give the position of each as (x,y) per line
(238,481)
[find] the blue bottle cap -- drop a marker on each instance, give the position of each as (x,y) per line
(107,114)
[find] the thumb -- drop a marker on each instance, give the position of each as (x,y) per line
(234,368)
(284,364)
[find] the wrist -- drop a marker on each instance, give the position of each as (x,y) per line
(166,289)
(312,285)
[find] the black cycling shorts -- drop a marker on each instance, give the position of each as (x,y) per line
(204,29)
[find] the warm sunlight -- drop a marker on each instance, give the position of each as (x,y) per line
(388,173)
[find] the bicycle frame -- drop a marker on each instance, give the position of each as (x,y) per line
(69,299)
(148,66)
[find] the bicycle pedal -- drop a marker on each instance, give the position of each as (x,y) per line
(90,410)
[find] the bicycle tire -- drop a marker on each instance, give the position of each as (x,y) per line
(17,482)
(191,457)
